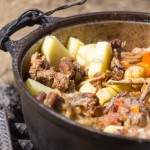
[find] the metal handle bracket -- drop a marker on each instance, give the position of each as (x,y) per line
(29,18)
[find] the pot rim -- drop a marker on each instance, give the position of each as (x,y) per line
(60,118)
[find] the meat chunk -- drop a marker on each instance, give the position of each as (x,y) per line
(123,104)
(99,78)
(131,57)
(117,68)
(66,66)
(55,101)
(110,105)
(129,117)
(88,102)
(42,72)
(41,96)
(145,92)
(62,82)
(110,119)
(116,44)
(71,69)
(45,77)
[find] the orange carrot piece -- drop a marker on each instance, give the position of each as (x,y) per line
(127,64)
(148,71)
(146,58)
(135,109)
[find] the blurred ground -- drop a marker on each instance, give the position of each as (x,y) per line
(10,9)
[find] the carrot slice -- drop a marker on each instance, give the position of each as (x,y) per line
(146,58)
(135,109)
(127,64)
(148,71)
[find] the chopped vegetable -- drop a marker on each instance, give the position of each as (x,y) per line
(53,50)
(148,71)
(104,54)
(87,88)
(104,89)
(73,46)
(105,94)
(146,66)
(135,72)
(135,109)
(119,102)
(146,58)
(35,87)
(142,64)
(94,68)
(127,64)
(85,54)
(112,128)
(120,88)
(113,117)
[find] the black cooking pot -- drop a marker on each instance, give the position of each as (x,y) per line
(49,130)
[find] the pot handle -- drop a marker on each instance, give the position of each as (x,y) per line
(28,18)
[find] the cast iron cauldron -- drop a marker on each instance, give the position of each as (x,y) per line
(49,130)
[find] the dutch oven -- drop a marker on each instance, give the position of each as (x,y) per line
(49,130)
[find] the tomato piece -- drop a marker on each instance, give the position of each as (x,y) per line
(118,103)
(113,117)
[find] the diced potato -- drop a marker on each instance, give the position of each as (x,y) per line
(105,94)
(91,52)
(53,50)
(82,60)
(73,46)
(100,59)
(135,72)
(111,91)
(94,68)
(112,128)
(86,52)
(116,88)
(87,88)
(83,50)
(120,88)
(35,87)
(104,53)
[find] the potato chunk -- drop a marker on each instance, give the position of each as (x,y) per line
(120,88)
(87,88)
(112,128)
(35,87)
(82,54)
(94,67)
(53,50)
(104,53)
(73,46)
(135,72)
(101,59)
(105,94)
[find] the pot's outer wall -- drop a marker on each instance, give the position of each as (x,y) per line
(47,135)
(49,130)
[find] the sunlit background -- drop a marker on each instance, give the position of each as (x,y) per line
(11,9)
